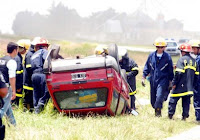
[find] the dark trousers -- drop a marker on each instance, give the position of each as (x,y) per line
(28,98)
(197,104)
(40,91)
(132,102)
(185,105)
(158,96)
(2,130)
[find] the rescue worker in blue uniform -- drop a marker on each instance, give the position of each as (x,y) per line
(19,73)
(131,68)
(184,81)
(27,86)
(40,91)
(159,68)
(196,50)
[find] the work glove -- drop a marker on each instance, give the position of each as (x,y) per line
(143,82)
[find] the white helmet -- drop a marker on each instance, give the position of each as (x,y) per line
(122,52)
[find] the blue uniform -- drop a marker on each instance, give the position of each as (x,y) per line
(40,91)
(131,70)
(28,87)
(184,80)
(161,73)
(19,78)
(197,93)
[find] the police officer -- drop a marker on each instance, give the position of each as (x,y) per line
(19,73)
(8,68)
(28,87)
(196,50)
(3,93)
(40,92)
(131,68)
(159,68)
(183,82)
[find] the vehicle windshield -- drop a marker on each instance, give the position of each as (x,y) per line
(79,99)
(171,44)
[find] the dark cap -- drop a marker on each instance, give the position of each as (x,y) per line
(11,47)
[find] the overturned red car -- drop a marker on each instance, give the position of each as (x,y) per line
(92,84)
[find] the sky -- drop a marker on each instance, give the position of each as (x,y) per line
(187,11)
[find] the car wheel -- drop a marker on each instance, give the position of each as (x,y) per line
(113,51)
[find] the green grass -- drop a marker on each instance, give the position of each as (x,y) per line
(51,125)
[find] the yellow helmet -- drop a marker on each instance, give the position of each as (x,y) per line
(160,42)
(101,49)
(194,43)
(24,43)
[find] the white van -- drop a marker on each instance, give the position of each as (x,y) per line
(172,47)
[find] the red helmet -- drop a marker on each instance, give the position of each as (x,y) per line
(185,47)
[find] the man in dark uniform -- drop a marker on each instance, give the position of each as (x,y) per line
(19,73)
(40,91)
(195,44)
(131,68)
(28,87)
(3,93)
(183,82)
(159,68)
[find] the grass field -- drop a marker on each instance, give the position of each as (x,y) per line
(51,125)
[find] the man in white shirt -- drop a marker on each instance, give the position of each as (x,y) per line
(8,68)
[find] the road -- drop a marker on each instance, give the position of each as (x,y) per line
(137,49)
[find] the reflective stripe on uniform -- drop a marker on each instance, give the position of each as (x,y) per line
(135,68)
(19,72)
(182,94)
(179,70)
(197,73)
(19,95)
(132,93)
(28,88)
(28,66)
(190,67)
(186,67)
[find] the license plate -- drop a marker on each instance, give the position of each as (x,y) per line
(78,76)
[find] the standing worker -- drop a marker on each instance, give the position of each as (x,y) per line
(40,91)
(28,87)
(160,68)
(196,50)
(131,68)
(19,73)
(183,82)
(8,67)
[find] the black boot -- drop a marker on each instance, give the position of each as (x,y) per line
(170,116)
(184,118)
(158,112)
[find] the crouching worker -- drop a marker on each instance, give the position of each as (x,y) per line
(40,91)
(3,93)
(160,68)
(183,82)
(131,68)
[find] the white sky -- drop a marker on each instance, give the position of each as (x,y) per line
(185,10)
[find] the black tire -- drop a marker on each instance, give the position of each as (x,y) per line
(55,51)
(113,51)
